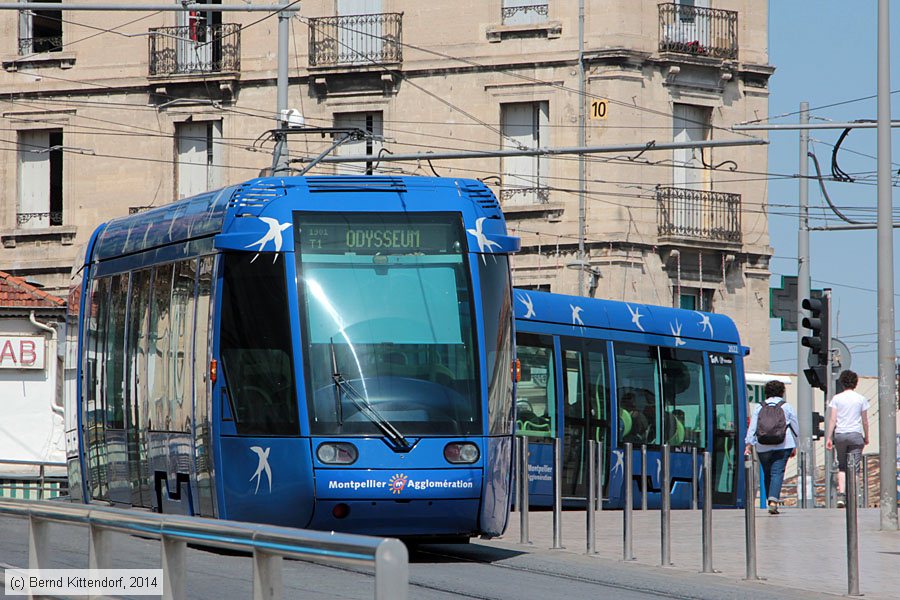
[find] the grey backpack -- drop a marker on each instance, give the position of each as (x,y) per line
(771,424)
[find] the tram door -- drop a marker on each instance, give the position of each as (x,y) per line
(727,449)
(585,411)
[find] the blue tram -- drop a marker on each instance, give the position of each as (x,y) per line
(619,372)
(331,353)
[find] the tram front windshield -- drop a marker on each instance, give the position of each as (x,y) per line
(388,324)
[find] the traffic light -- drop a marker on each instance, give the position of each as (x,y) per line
(818,426)
(817,342)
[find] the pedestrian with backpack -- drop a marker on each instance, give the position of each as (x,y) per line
(848,428)
(768,431)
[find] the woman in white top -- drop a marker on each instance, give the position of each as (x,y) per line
(848,427)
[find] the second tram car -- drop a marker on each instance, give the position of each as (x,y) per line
(618,372)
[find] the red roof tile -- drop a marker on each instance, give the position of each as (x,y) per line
(15,292)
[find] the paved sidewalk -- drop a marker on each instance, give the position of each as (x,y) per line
(803,549)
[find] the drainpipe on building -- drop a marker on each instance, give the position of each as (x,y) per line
(56,406)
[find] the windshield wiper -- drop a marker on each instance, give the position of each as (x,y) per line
(362,404)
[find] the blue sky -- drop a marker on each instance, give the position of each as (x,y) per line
(825,53)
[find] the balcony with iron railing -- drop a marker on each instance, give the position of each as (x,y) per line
(193,49)
(698,215)
(698,31)
(356,40)
(40,44)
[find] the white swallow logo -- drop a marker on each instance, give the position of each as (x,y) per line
(529,305)
(484,244)
(676,331)
(576,315)
(620,462)
(272,235)
(704,323)
(636,316)
(658,468)
(263,466)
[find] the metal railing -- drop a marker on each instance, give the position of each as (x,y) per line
(40,44)
(37,482)
(698,214)
(45,219)
(698,31)
(268,544)
(525,195)
(531,13)
(374,39)
(195,49)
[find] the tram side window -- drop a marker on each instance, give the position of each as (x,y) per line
(181,355)
(113,353)
(685,397)
(256,346)
(136,351)
(726,445)
(536,391)
(638,393)
(159,352)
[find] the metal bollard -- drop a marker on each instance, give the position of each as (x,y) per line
(523,491)
(694,484)
(665,509)
(599,476)
(643,476)
(627,482)
(517,471)
(750,513)
(590,515)
(707,514)
(865,481)
(557,494)
(852,533)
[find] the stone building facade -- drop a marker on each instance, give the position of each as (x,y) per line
(108,112)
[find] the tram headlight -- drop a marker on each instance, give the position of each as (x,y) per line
(461,453)
(332,453)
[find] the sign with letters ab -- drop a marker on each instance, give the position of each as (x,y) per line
(22,352)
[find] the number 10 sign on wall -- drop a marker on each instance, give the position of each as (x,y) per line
(599,109)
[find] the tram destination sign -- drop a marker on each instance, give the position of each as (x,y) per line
(328,236)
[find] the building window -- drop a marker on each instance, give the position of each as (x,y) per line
(197,161)
(695,299)
(524,125)
(40,179)
(40,30)
(198,46)
(370,122)
(524,12)
(690,124)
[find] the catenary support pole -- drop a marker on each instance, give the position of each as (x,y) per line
(804,391)
(627,509)
(280,165)
(828,455)
(582,135)
(887,384)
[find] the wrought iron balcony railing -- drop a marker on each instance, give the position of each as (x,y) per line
(356,40)
(39,219)
(529,195)
(698,31)
(40,44)
(698,215)
(522,14)
(195,49)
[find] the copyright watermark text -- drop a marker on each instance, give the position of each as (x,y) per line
(78,582)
